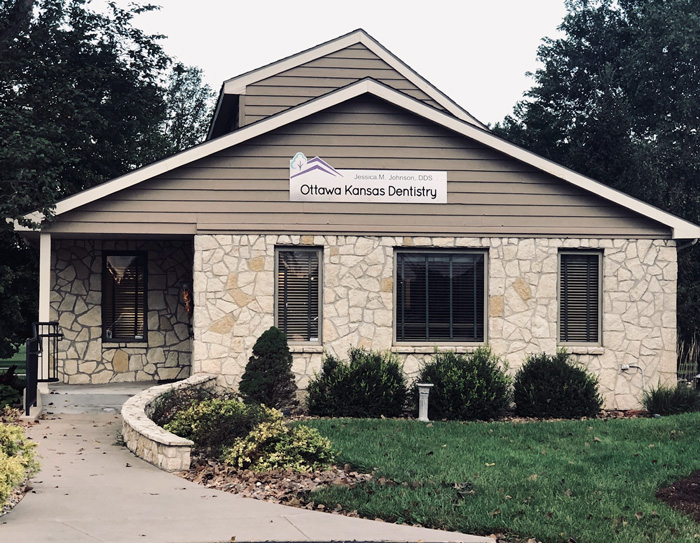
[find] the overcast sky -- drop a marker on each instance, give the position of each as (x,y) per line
(475,51)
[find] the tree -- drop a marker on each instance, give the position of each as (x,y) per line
(83,98)
(268,377)
(616,99)
(189,102)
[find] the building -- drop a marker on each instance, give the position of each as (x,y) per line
(345,199)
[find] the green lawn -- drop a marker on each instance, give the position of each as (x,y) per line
(17,360)
(571,481)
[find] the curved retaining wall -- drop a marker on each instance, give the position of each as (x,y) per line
(149,441)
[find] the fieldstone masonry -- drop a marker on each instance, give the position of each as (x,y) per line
(234,288)
(84,357)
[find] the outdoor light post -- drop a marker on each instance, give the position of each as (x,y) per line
(424,392)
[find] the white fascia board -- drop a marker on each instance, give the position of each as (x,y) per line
(237,85)
(681,229)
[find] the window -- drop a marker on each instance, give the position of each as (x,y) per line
(440,296)
(124,296)
(579,297)
(298,293)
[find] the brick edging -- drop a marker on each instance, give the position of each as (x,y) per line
(149,441)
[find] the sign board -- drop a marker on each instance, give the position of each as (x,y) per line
(315,180)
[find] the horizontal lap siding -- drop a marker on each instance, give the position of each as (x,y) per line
(246,188)
(321,76)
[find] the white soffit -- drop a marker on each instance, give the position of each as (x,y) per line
(238,84)
(681,229)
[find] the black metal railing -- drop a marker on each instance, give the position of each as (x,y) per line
(42,359)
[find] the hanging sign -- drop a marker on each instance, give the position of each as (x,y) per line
(315,180)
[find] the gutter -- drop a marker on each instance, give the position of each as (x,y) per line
(686,245)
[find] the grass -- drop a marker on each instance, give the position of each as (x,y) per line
(17,360)
(569,481)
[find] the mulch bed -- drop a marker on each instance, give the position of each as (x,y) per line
(283,487)
(683,495)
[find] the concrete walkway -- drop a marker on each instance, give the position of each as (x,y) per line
(91,489)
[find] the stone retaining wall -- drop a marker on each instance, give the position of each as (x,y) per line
(76,297)
(234,288)
(151,442)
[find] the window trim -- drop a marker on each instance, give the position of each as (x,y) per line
(441,342)
(580,252)
(309,249)
(143,256)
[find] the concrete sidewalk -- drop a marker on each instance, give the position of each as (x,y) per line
(91,489)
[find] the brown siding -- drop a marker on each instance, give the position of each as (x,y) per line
(321,76)
(246,188)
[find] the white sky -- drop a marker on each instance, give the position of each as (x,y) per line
(475,51)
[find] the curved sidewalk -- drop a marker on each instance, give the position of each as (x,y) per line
(91,489)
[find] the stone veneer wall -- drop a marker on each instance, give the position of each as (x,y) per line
(84,357)
(234,303)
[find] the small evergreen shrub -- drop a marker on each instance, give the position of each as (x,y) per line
(275,445)
(552,386)
(217,422)
(9,396)
(664,400)
(17,460)
(167,405)
(371,384)
(466,386)
(268,377)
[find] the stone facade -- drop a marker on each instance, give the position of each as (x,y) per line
(234,288)
(84,357)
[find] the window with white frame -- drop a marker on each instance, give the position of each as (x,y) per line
(298,293)
(580,297)
(440,296)
(124,296)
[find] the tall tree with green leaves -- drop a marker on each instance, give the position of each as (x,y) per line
(85,96)
(617,99)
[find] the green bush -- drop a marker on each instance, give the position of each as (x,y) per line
(9,396)
(664,400)
(275,445)
(17,460)
(217,422)
(553,386)
(167,405)
(371,384)
(268,377)
(466,386)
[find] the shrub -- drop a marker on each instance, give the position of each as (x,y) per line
(553,386)
(167,405)
(275,445)
(268,376)
(16,459)
(467,386)
(372,384)
(665,400)
(217,422)
(9,396)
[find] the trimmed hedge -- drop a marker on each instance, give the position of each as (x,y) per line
(467,386)
(371,384)
(552,386)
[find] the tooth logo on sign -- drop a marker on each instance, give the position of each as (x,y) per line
(315,180)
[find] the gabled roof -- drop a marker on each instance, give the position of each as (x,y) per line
(681,229)
(237,85)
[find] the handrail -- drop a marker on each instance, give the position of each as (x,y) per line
(43,345)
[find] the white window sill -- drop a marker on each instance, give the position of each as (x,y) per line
(310,348)
(584,349)
(430,349)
